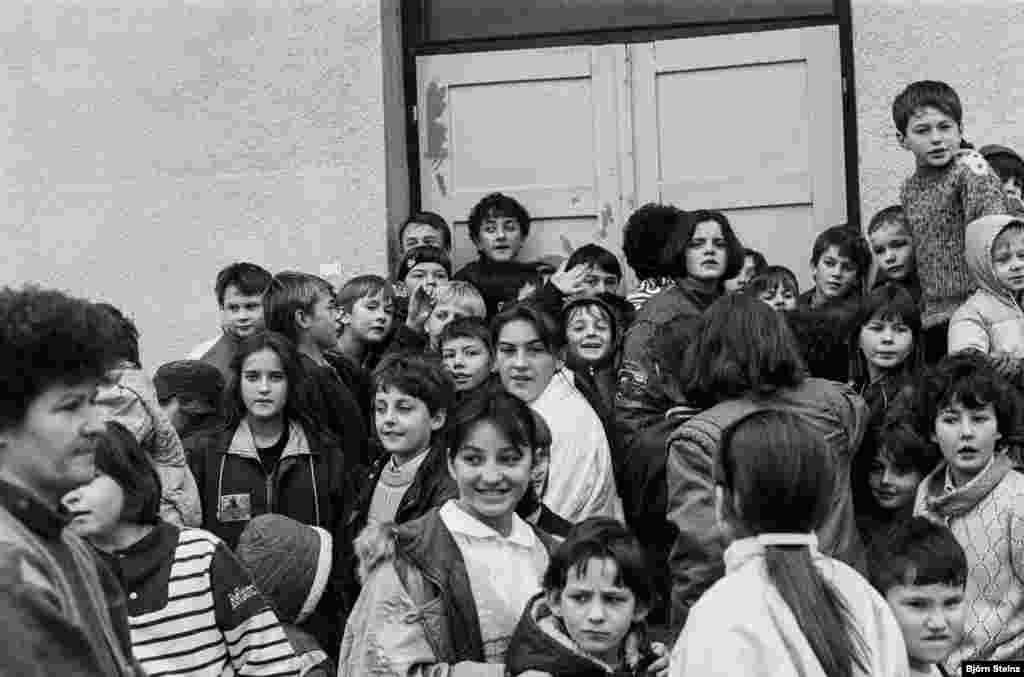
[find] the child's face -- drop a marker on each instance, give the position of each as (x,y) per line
(1008,258)
(705,252)
(782,298)
(892,487)
(370,319)
(492,474)
(419,234)
(1012,187)
(323,322)
(441,316)
(734,284)
(264,385)
(931,618)
(426,275)
(597,611)
(241,314)
(468,361)
(893,249)
(599,281)
(523,361)
(967,439)
(95,508)
(404,423)
(885,343)
(932,136)
(500,238)
(589,334)
(834,274)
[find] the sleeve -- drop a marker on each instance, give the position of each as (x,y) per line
(549,299)
(705,648)
(196,459)
(980,189)
(695,561)
(639,401)
(1016,533)
(968,331)
(257,645)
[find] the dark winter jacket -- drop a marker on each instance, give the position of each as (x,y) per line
(542,643)
(499,282)
(335,410)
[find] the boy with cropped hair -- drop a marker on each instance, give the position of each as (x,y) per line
(239,289)
(645,238)
(950,187)
(839,260)
(892,246)
(921,571)
(367,307)
(425,228)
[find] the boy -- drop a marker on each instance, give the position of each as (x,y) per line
(467,354)
(190,391)
(302,307)
(240,288)
(949,188)
(498,227)
(603,272)
(412,398)
(920,570)
(976,493)
(454,300)
(753,263)
(367,307)
(645,238)
(839,260)
(425,228)
(892,246)
(991,320)
(777,286)
(1008,165)
(62,612)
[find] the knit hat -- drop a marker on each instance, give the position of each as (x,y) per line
(199,382)
(1004,160)
(422,254)
(290,563)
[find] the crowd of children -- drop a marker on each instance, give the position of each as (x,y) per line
(514,468)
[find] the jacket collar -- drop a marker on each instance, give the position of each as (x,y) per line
(140,560)
(963,499)
(456,519)
(40,518)
(745,550)
(244,444)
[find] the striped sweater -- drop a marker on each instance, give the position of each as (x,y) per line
(194,610)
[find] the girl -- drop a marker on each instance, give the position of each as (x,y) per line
(777,286)
(593,333)
(192,606)
(804,613)
(530,352)
(884,347)
(271,457)
(449,587)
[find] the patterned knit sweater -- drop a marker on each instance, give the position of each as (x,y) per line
(939,203)
(986,515)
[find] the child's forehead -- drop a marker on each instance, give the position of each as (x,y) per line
(394,392)
(1012,234)
(463,342)
(427,267)
(379,296)
(419,228)
(954,403)
(498,215)
(888,230)
(929,113)
(591,310)
(603,571)
(908,588)
(833,251)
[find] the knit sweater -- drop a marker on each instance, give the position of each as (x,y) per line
(939,203)
(986,515)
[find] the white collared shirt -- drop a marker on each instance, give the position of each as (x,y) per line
(504,573)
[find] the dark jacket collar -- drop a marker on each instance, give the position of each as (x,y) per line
(141,560)
(32,512)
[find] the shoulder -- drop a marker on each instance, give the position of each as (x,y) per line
(970,163)
(200,350)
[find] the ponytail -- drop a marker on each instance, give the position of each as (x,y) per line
(820,611)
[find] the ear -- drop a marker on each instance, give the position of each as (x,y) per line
(901,138)
(451,468)
(438,420)
(301,319)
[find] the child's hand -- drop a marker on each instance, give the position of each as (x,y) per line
(660,666)
(570,282)
(526,291)
(421,304)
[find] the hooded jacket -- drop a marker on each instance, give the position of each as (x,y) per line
(986,515)
(991,319)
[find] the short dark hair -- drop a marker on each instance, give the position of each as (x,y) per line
(362,286)
(887,302)
(848,242)
(675,252)
(739,347)
(467,327)
(126,340)
(771,278)
(968,378)
(596,256)
(925,93)
(647,234)
(46,338)
(510,415)
(433,220)
(602,538)
(298,406)
(1007,166)
(760,262)
(916,551)
(903,445)
(496,205)
(120,456)
(288,292)
(424,253)
(893,214)
(419,376)
(549,328)
(250,279)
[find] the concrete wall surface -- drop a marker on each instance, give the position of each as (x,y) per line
(150,143)
(977,46)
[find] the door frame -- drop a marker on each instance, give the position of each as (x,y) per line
(411,20)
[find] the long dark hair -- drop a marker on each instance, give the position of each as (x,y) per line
(779,477)
(888,302)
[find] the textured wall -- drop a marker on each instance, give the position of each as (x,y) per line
(977,46)
(149,143)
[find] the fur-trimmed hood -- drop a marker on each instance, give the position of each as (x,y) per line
(374,546)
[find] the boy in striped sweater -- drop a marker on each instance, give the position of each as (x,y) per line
(193,609)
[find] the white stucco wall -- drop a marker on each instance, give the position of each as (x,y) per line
(977,46)
(150,143)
